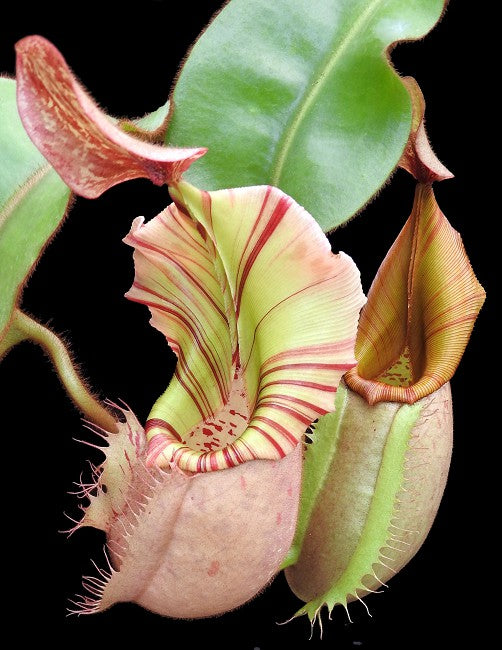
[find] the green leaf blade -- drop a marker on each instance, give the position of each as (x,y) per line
(314,108)
(33,201)
(154,120)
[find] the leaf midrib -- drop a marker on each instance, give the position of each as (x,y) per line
(21,192)
(314,89)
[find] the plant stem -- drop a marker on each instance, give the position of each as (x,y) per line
(12,337)
(25,328)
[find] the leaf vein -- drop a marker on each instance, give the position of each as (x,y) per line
(314,90)
(16,198)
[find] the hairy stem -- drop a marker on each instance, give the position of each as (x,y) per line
(12,337)
(25,328)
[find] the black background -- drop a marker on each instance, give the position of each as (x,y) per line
(128,59)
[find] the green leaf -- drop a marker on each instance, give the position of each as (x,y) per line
(154,120)
(299,94)
(152,126)
(33,201)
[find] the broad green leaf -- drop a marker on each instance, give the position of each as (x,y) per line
(33,201)
(300,94)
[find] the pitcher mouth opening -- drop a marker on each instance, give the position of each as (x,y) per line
(211,444)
